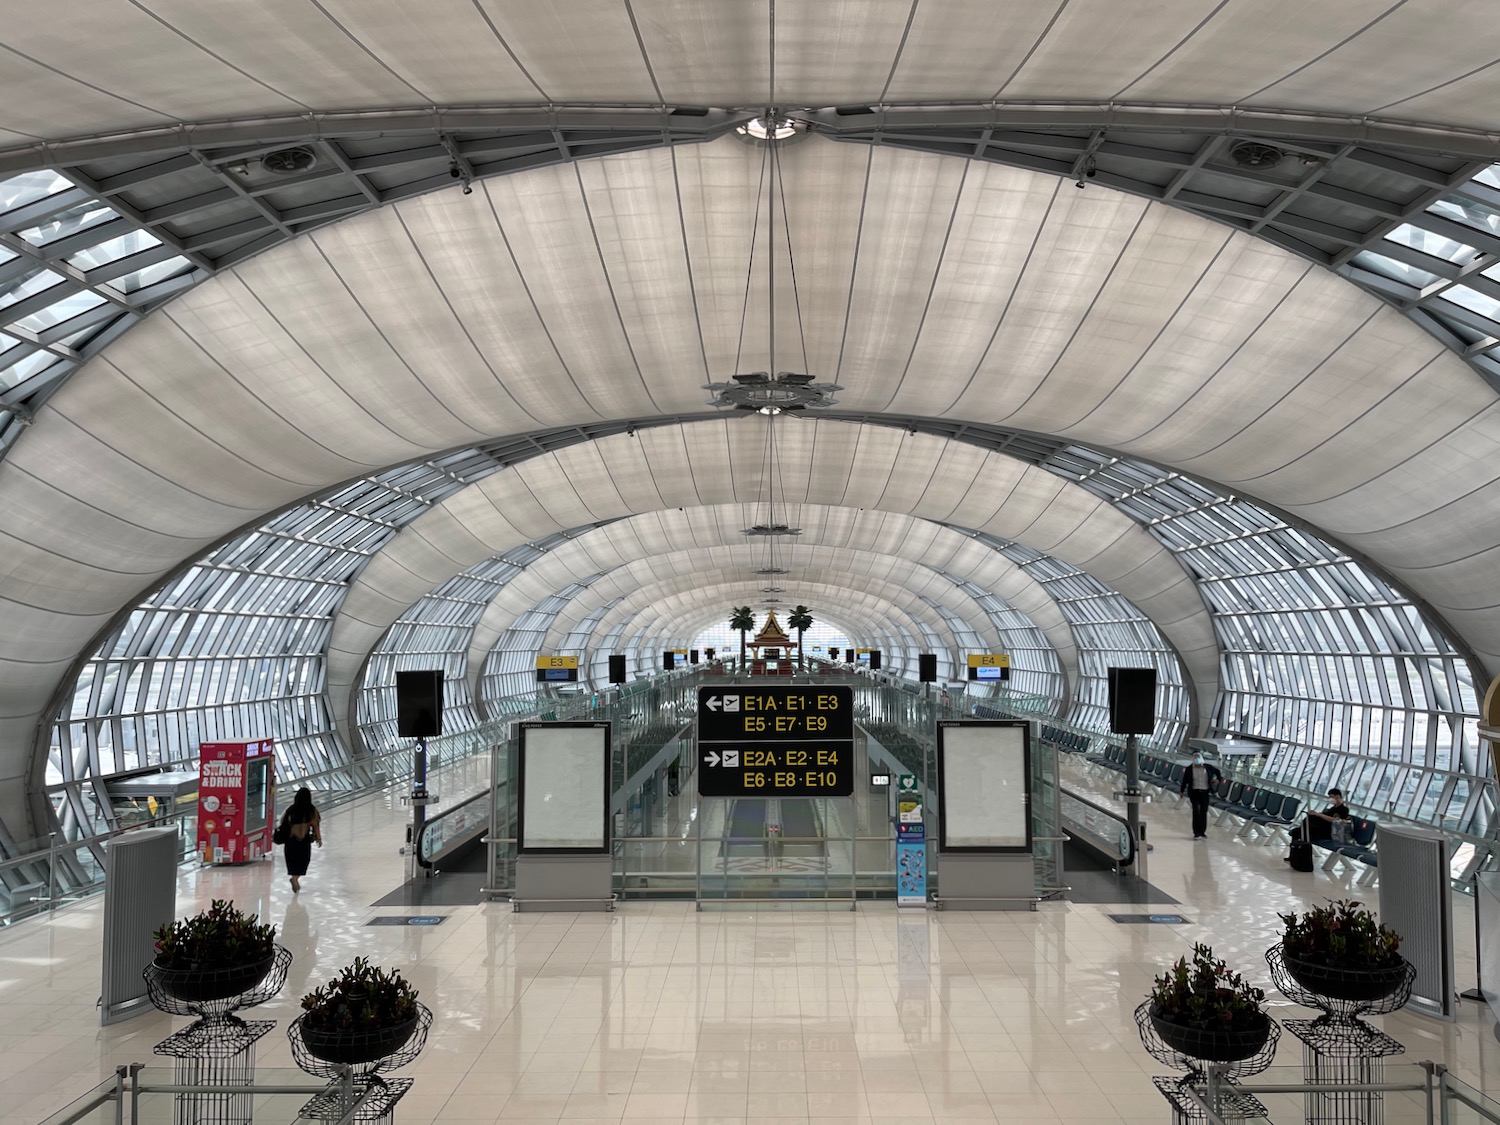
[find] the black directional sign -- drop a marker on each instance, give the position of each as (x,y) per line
(776,741)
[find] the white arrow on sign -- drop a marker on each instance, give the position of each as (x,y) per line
(713,702)
(712,757)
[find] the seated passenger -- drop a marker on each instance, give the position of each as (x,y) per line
(1319,825)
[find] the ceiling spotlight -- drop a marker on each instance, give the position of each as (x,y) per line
(771,570)
(458,165)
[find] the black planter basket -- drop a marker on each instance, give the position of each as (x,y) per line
(1212,1044)
(196,992)
(1232,1054)
(1360,984)
(325,1054)
(1342,993)
(356,1048)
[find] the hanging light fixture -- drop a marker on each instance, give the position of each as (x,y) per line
(772,392)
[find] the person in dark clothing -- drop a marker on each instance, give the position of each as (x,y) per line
(1319,825)
(304,828)
(1198,782)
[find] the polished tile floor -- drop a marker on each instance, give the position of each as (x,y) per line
(661,1013)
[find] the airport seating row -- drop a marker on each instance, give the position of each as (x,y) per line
(1070,742)
(1358,849)
(1264,814)
(1161,772)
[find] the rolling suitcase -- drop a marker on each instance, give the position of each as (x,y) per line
(1302,857)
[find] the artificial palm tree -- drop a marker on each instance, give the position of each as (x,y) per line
(742,619)
(800,620)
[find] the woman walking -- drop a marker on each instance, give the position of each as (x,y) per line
(303,828)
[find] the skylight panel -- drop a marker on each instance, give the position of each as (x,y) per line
(112,250)
(1430,242)
(28,285)
(1490,177)
(24,368)
(70,222)
(1473,300)
(1468,212)
(65,309)
(149,275)
(1396,271)
(28,187)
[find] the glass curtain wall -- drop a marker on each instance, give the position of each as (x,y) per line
(510,667)
(1034,667)
(1355,685)
(236,644)
(1109,632)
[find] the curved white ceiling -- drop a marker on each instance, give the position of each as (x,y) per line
(914,564)
(874,539)
(633,587)
(820,462)
(880,605)
(156,62)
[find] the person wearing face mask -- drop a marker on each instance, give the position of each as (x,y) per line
(1198,782)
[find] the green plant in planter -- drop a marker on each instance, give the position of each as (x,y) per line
(220,937)
(1340,935)
(1206,994)
(360,1000)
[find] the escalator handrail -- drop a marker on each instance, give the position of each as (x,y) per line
(430,826)
(1127,844)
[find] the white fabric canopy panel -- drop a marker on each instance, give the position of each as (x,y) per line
(828,568)
(656,606)
(721,461)
(874,535)
(144,66)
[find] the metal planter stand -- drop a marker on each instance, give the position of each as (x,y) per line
(218,1048)
(1339,1048)
(1210,1083)
(362,1082)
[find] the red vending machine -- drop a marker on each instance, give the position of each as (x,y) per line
(235,809)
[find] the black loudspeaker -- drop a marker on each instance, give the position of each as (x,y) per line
(668,660)
(692,656)
(927,667)
(1132,700)
(874,660)
(617,668)
(419,704)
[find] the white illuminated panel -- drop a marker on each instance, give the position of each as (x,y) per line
(564,786)
(984,799)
